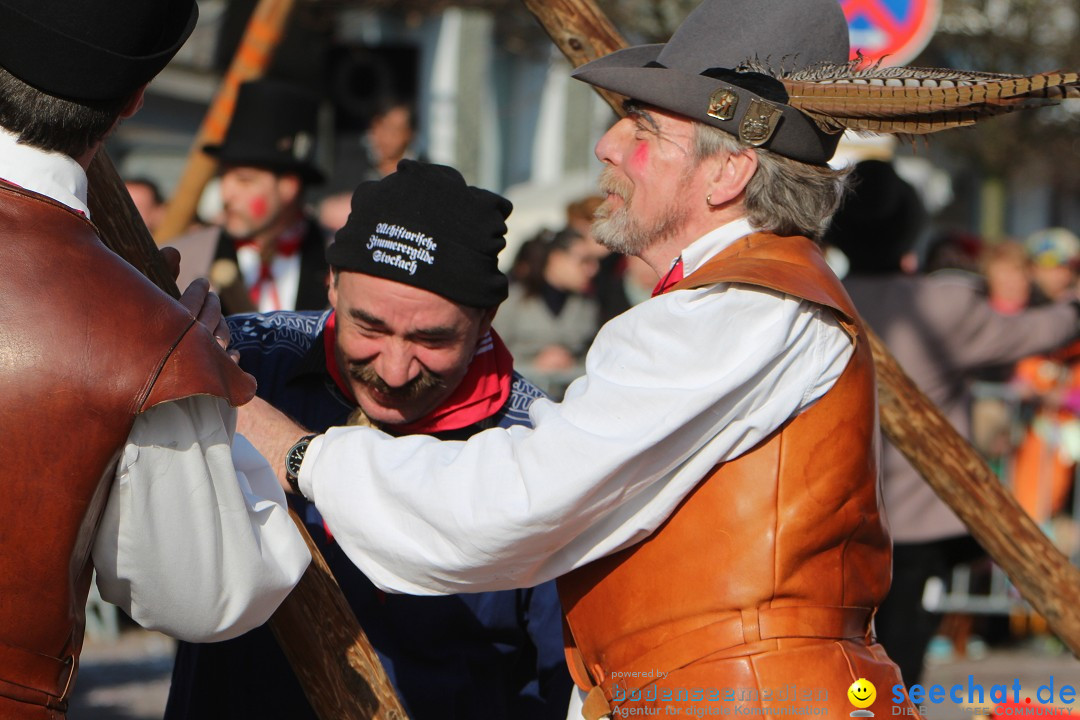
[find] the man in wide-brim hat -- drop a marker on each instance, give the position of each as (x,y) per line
(707,493)
(117,422)
(268,253)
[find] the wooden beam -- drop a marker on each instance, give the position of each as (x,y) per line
(261,38)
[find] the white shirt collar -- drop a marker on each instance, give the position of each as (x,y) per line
(705,247)
(51,174)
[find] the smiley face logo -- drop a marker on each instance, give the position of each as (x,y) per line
(862,693)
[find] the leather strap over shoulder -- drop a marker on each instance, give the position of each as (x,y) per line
(195,365)
(790,265)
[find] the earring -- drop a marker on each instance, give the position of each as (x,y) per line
(708,200)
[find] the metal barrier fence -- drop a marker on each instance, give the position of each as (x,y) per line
(996,594)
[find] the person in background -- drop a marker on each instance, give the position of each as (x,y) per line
(388,139)
(268,253)
(410,353)
(948,250)
(549,319)
(1007,269)
(333,211)
(622,280)
(1045,459)
(390,136)
(1055,258)
(530,257)
(119,419)
(941,328)
(581,213)
(148,200)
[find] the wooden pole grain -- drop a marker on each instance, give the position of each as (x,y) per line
(948,462)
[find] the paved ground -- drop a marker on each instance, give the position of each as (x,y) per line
(129,679)
(123,680)
(1034,665)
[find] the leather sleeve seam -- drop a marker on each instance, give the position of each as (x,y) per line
(144,396)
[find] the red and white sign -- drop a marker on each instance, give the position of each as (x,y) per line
(896,30)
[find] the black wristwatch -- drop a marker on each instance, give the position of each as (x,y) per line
(293,460)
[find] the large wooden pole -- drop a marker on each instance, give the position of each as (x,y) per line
(946,460)
(330,654)
(261,37)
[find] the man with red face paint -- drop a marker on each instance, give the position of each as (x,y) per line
(706,494)
(408,344)
(268,254)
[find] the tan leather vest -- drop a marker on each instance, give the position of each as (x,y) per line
(86,343)
(782,547)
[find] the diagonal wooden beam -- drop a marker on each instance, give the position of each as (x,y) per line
(947,461)
(261,37)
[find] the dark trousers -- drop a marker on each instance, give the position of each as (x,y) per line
(903,626)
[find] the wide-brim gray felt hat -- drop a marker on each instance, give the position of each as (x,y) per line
(92,51)
(693,73)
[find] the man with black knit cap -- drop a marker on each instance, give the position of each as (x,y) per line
(268,253)
(707,492)
(407,346)
(117,424)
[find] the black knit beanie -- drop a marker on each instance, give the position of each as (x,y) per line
(425,227)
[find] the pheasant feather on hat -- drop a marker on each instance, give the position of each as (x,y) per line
(917,101)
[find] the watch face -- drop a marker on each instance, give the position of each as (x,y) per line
(295,457)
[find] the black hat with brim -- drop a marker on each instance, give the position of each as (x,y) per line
(273,127)
(694,73)
(92,51)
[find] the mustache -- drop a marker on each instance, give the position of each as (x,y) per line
(611,183)
(421,384)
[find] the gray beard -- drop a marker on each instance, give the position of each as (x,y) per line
(619,232)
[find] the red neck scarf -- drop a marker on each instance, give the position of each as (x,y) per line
(481,393)
(286,245)
(673,277)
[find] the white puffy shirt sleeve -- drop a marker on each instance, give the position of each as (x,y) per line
(673,386)
(196,540)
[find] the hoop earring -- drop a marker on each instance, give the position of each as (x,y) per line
(708,200)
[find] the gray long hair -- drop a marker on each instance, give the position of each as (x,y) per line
(785,196)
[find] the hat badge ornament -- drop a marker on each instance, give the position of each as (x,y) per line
(722,104)
(759,123)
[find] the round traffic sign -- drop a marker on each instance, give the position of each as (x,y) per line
(896,30)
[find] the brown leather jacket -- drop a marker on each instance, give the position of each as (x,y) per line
(769,572)
(86,344)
